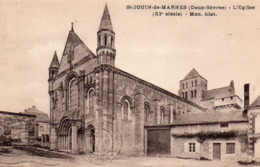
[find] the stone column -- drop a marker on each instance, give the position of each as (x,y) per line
(74,138)
(53,138)
(139,124)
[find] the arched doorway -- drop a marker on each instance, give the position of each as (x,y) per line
(90,139)
(65,135)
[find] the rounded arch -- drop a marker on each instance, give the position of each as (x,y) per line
(126,110)
(73,94)
(99,40)
(105,39)
(128,99)
(112,41)
(162,108)
(69,77)
(90,138)
(64,134)
(147,104)
(162,114)
(89,100)
(89,87)
(64,125)
(147,113)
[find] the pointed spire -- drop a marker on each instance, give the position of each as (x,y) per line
(106,21)
(55,61)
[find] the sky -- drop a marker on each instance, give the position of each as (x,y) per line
(161,50)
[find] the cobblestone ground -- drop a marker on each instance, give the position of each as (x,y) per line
(20,158)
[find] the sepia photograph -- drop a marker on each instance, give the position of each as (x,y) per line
(148,83)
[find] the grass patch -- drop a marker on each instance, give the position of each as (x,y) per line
(42,153)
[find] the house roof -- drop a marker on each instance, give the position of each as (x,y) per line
(55,61)
(40,115)
(210,117)
(256,103)
(218,93)
(20,114)
(106,23)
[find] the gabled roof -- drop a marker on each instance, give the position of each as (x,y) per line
(55,61)
(218,93)
(40,115)
(75,40)
(256,103)
(106,21)
(192,74)
(211,117)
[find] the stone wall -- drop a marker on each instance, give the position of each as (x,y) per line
(139,93)
(180,148)
(180,145)
(18,127)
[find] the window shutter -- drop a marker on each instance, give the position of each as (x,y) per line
(197,147)
(186,147)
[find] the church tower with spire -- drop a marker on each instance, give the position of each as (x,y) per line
(106,40)
(53,70)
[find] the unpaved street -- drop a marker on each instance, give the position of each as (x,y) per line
(21,158)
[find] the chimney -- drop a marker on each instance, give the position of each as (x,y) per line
(246,96)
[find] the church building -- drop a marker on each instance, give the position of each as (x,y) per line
(195,88)
(89,96)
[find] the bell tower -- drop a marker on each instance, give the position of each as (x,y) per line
(106,40)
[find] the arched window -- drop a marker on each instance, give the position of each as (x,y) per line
(186,95)
(195,93)
(183,94)
(90,102)
(191,94)
(161,116)
(73,94)
(183,86)
(99,40)
(195,82)
(186,84)
(105,40)
(112,40)
(126,110)
(147,114)
(192,83)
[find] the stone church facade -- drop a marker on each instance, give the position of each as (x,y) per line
(89,96)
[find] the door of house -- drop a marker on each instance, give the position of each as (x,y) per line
(158,142)
(216,151)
